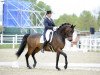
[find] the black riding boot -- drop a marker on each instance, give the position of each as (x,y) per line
(44,45)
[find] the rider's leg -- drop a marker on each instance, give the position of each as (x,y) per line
(42,50)
(46,42)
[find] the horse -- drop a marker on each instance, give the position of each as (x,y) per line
(58,42)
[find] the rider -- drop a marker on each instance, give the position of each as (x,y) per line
(49,24)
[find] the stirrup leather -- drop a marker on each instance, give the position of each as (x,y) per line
(51,48)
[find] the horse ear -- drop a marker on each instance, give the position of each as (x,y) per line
(73,26)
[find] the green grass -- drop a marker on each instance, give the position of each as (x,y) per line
(97,50)
(8,46)
(93,50)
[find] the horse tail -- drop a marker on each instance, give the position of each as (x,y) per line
(22,45)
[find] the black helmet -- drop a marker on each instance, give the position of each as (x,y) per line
(49,12)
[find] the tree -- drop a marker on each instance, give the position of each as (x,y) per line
(83,22)
(43,5)
(98,21)
(67,18)
(39,7)
(0,28)
(86,20)
(61,19)
(33,1)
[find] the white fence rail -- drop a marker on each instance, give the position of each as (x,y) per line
(89,43)
(85,43)
(10,39)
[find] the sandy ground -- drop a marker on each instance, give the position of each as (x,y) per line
(8,55)
(43,71)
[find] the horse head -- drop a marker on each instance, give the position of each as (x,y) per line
(66,31)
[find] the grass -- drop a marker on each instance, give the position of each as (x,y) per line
(93,50)
(8,46)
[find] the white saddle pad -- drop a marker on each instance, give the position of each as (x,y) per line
(47,36)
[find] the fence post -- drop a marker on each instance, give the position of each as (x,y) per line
(16,38)
(13,42)
(95,42)
(90,43)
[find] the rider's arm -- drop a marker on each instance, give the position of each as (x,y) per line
(53,24)
(47,25)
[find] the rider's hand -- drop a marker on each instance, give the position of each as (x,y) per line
(54,28)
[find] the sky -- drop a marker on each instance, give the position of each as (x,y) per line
(59,7)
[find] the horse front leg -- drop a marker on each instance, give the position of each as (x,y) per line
(57,60)
(66,62)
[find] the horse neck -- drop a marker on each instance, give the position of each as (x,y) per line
(62,38)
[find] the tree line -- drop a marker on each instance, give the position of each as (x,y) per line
(82,22)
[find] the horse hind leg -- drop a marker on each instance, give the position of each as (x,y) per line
(35,62)
(27,62)
(33,56)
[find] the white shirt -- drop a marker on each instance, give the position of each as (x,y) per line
(49,18)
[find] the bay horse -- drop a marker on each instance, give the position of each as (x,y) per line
(58,42)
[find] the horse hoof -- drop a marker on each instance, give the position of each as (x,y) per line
(34,65)
(58,68)
(29,67)
(65,66)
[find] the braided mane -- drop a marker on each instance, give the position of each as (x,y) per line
(64,24)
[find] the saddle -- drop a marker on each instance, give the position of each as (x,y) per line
(48,37)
